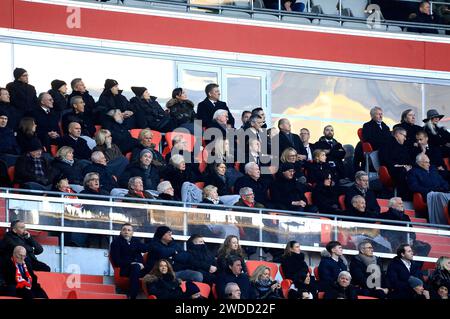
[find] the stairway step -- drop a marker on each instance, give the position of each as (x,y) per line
(92,295)
(418,220)
(433,239)
(89,279)
(96,288)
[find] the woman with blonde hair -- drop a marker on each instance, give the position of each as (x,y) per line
(146,141)
(68,166)
(319,169)
(441,274)
(290,155)
(263,283)
(116,162)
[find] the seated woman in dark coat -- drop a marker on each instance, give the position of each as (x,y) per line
(166,191)
(181,109)
(341,289)
(26,133)
(177,172)
(319,169)
(290,155)
(295,268)
(161,281)
(230,247)
(441,275)
(145,139)
(91,185)
(264,284)
(65,164)
(326,197)
(217,177)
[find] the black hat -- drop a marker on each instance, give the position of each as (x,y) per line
(4,112)
(109,84)
(191,289)
(18,72)
(34,145)
(286,167)
(56,84)
(138,90)
(161,231)
(432,114)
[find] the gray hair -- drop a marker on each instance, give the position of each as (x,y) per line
(420,157)
(177,159)
(208,189)
(163,186)
(356,197)
(229,288)
(374,109)
(360,174)
(41,96)
(218,113)
(392,201)
(96,156)
(245,191)
(363,243)
(75,99)
(346,274)
(249,166)
(88,178)
(63,151)
(132,180)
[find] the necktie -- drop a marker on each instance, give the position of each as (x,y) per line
(257,136)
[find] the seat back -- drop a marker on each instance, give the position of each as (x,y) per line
(385,177)
(320,295)
(360,134)
(280,268)
(420,205)
(308,196)
(135,132)
(365,297)
(190,139)
(205,289)
(342,201)
(52,283)
(214,291)
(253,264)
(316,273)
(285,285)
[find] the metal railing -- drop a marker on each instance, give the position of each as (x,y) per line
(255,227)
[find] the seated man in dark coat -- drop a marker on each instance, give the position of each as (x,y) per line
(23,95)
(424,16)
(126,253)
(211,104)
(79,89)
(143,168)
(47,121)
(219,122)
(286,193)
(114,122)
(361,187)
(33,170)
(287,138)
(394,154)
(376,132)
(254,180)
(20,279)
(432,151)
(424,178)
(78,115)
(359,208)
(234,274)
(14,115)
(333,149)
(401,268)
(201,259)
(107,180)
(331,264)
(163,246)
(19,236)
(9,149)
(408,122)
(365,265)
(58,93)
(136,189)
(80,148)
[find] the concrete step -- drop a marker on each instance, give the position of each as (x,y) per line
(89,279)
(92,295)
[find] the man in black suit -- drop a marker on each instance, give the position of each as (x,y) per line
(287,138)
(79,89)
(361,187)
(210,105)
(433,152)
(376,132)
(80,147)
(307,149)
(334,150)
(396,157)
(22,94)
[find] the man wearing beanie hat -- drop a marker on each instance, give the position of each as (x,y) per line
(59,95)
(8,146)
(7,108)
(163,246)
(111,99)
(149,111)
(33,171)
(143,168)
(23,95)
(419,291)
(286,193)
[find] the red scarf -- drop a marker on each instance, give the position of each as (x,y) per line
(70,190)
(22,283)
(140,194)
(248,203)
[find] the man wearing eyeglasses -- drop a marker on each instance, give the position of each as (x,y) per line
(394,154)
(366,272)
(23,95)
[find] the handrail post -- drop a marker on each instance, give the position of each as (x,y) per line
(335,236)
(260,234)
(61,243)
(7,208)
(185,224)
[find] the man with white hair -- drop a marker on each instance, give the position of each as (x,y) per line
(252,179)
(80,147)
(376,132)
(107,180)
(232,291)
(219,123)
(166,191)
(425,179)
(342,289)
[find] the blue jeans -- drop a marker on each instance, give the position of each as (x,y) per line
(189,275)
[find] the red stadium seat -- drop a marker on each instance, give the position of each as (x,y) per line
(342,202)
(285,285)
(128,156)
(420,205)
(52,283)
(190,139)
(200,184)
(316,273)
(385,178)
(214,291)
(365,297)
(447,163)
(320,295)
(97,128)
(205,289)
(53,150)
(360,134)
(135,132)
(308,196)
